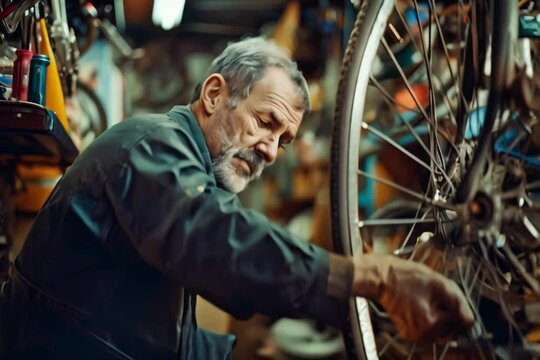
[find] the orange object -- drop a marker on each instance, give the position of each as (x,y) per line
(533,336)
(382,192)
(405,100)
(38,182)
(55,95)
(284,32)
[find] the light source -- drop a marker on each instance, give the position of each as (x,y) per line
(168,13)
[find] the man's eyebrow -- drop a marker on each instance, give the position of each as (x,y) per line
(287,136)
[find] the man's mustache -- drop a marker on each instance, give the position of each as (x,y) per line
(255,161)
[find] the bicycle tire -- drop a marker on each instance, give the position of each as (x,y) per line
(359,343)
(350,135)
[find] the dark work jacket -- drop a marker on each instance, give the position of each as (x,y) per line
(132,232)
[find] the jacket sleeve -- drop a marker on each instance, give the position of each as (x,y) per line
(181,223)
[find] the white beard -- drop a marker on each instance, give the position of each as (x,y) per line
(229,176)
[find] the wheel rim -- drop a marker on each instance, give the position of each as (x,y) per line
(362,329)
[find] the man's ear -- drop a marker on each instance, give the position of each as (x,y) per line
(214,93)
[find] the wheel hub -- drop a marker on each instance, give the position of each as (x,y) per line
(481,210)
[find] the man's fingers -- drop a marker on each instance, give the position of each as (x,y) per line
(453,300)
(441,328)
(445,327)
(463,315)
(467,314)
(424,304)
(439,317)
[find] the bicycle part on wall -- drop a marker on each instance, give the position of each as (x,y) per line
(65,46)
(37,142)
(13,13)
(34,140)
(434,159)
(88,115)
(88,21)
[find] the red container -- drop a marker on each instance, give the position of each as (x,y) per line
(20,74)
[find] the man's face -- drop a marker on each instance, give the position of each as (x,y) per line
(247,138)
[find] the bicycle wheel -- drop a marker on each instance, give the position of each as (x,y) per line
(412,102)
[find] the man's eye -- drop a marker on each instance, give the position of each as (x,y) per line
(264,124)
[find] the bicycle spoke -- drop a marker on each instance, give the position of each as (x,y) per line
(515,142)
(531,280)
(428,62)
(492,272)
(533,185)
(405,243)
(405,81)
(389,222)
(393,185)
(417,137)
(390,341)
(445,350)
(395,144)
(411,91)
(427,53)
(411,353)
(403,189)
(455,79)
(447,57)
(468,286)
(386,95)
(434,140)
(445,99)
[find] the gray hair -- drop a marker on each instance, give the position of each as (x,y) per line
(243,64)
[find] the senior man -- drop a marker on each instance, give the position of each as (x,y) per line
(148,217)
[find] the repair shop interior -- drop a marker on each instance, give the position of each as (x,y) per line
(395,218)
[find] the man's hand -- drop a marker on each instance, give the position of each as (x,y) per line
(423,304)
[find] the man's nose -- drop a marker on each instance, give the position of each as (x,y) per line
(268,149)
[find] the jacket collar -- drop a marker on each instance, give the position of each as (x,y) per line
(183,115)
